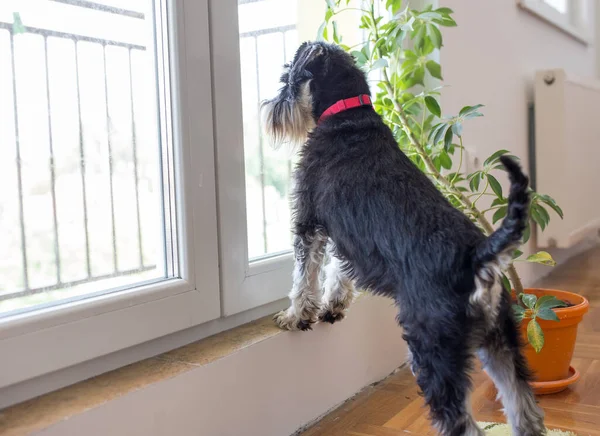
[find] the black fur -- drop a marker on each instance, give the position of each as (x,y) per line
(510,233)
(398,236)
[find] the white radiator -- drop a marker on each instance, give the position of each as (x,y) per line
(567,155)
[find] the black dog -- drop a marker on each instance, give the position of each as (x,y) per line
(389,230)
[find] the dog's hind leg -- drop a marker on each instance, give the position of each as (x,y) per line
(502,360)
(442,363)
(309,249)
(338,289)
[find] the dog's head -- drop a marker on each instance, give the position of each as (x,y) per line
(320,75)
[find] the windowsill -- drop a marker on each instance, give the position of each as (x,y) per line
(548,15)
(247,369)
(46,410)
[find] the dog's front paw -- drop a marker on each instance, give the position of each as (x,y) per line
(288,320)
(332,314)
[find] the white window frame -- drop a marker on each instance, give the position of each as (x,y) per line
(218,287)
(244,284)
(576,22)
(43,341)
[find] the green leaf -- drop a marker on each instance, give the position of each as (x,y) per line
(494,157)
(434,69)
(445,160)
(430,16)
(380,45)
(418,76)
(457,129)
(495,185)
(444,11)
(321,35)
(408,26)
(328,13)
(433,106)
(434,35)
(549,302)
(366,49)
(360,57)
(379,63)
(556,208)
(544,214)
(336,37)
(536,216)
(535,335)
(517,254)
(506,283)
(469,109)
(455,177)
(474,182)
(527,233)
(499,214)
(519,312)
(419,36)
(365,22)
(440,133)
(17,26)
(472,115)
(552,203)
(394,4)
(499,201)
(448,139)
(542,257)
(529,300)
(547,314)
(446,21)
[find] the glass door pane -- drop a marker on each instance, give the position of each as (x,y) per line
(86,157)
(268,39)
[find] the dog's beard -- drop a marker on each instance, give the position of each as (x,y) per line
(289,121)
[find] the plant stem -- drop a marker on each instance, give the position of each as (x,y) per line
(439,178)
(487,185)
(460,162)
(477,194)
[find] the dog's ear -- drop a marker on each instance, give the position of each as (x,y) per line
(307,53)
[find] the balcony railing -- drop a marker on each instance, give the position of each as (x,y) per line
(36,266)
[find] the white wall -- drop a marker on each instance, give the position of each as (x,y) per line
(491,58)
(267,389)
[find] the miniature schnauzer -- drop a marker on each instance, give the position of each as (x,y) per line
(387,228)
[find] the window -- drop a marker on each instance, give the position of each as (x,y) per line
(571,16)
(268,38)
(108,206)
(255,40)
(559,5)
(139,197)
(86,193)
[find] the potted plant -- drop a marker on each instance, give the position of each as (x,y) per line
(398,48)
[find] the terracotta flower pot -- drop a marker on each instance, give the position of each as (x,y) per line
(551,366)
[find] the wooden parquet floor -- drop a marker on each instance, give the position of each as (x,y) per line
(393,407)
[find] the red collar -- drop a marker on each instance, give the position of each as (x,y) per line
(347,103)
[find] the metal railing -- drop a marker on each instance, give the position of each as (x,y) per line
(254,35)
(88,275)
(27,289)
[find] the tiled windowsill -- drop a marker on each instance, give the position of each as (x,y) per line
(46,410)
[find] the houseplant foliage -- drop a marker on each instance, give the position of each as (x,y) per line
(398,48)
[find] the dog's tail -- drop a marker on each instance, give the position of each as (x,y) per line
(499,245)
